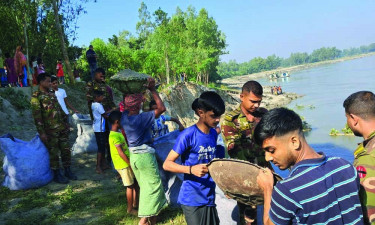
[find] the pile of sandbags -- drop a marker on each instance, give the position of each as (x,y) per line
(86,141)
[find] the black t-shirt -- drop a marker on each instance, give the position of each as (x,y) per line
(90,55)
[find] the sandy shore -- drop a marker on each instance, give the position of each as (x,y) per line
(244,78)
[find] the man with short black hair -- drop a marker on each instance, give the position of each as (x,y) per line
(237,129)
(51,124)
(318,190)
(360,116)
(91,59)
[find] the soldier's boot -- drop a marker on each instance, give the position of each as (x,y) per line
(59,178)
(69,174)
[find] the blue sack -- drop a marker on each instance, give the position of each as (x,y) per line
(26,164)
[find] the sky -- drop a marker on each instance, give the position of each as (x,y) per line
(253,28)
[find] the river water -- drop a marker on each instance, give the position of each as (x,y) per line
(324,90)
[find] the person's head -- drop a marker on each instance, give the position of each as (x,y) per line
(114,119)
(54,83)
(133,102)
(91,47)
(59,61)
(44,81)
(39,61)
(99,74)
(209,107)
(98,96)
(251,96)
(280,134)
(359,110)
(19,48)
(153,105)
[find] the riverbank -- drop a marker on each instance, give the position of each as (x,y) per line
(290,70)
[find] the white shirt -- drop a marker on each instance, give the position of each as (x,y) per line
(61,94)
(99,121)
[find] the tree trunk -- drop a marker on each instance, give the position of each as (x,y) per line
(62,41)
(167,68)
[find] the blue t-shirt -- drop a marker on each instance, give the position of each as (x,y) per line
(318,191)
(196,147)
(138,128)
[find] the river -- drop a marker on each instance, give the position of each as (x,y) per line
(324,90)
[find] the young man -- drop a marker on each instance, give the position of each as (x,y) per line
(319,189)
(91,59)
(237,129)
(159,128)
(197,146)
(62,98)
(51,124)
(360,115)
(137,127)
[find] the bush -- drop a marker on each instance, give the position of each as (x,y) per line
(17,98)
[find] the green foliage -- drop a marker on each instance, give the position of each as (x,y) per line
(347,130)
(188,42)
(17,98)
(258,64)
(334,132)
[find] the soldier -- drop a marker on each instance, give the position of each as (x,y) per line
(51,124)
(98,84)
(360,115)
(237,129)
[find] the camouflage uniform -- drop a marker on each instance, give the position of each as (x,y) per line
(99,86)
(364,162)
(51,120)
(238,137)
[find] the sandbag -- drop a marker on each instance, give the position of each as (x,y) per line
(26,164)
(86,141)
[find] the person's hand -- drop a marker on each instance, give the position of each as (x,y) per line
(199,170)
(265,179)
(44,138)
(227,196)
(151,83)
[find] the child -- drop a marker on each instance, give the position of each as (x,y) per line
(61,96)
(120,158)
(99,128)
(197,146)
(142,155)
(159,128)
(60,72)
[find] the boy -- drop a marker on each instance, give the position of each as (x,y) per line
(120,158)
(61,96)
(60,72)
(159,128)
(197,146)
(50,122)
(99,129)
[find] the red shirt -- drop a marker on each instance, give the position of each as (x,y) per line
(60,71)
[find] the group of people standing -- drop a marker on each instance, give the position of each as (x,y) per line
(276,90)
(14,71)
(320,189)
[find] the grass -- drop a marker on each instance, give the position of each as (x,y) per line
(77,204)
(16,98)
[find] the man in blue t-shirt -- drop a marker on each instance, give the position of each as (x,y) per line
(319,189)
(197,147)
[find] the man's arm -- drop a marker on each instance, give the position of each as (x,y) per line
(69,105)
(159,103)
(180,126)
(265,182)
(231,135)
(38,118)
(169,165)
